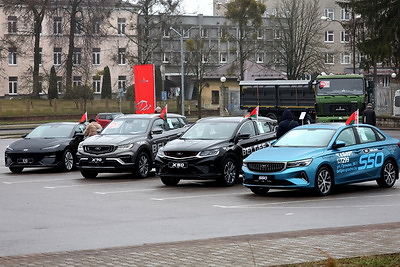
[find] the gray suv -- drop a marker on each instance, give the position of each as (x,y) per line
(128,144)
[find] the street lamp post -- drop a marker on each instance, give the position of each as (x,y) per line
(222,97)
(182,68)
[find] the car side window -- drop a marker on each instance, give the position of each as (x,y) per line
(366,134)
(263,127)
(248,128)
(159,124)
(174,123)
(347,136)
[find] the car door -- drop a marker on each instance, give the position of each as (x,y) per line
(159,135)
(253,143)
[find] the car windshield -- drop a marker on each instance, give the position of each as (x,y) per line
(349,86)
(210,130)
(126,126)
(306,138)
(52,131)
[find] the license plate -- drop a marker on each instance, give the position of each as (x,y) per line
(96,160)
(25,161)
(264,178)
(178,165)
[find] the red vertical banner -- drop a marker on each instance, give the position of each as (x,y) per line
(145,96)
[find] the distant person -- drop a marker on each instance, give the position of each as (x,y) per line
(369,116)
(287,123)
(92,128)
(157,110)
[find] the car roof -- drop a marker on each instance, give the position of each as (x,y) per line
(172,115)
(333,126)
(232,119)
(61,123)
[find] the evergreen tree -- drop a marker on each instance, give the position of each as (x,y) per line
(106,84)
(53,92)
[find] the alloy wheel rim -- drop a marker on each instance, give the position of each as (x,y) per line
(389,173)
(143,165)
(69,161)
(230,172)
(324,182)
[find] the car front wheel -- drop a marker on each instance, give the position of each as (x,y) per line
(230,172)
(68,161)
(388,175)
(324,181)
(142,165)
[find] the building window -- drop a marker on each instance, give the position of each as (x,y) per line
(77,56)
(345,58)
(12,56)
(260,57)
(96,27)
(12,24)
(165,57)
(57,26)
(344,37)
(57,55)
(40,81)
(96,85)
(78,26)
(40,55)
(204,58)
(12,85)
(186,32)
(277,34)
(278,58)
(223,33)
(121,56)
(59,84)
(329,58)
(121,26)
(96,56)
(77,81)
(204,33)
(214,97)
(345,15)
(329,37)
(260,34)
(166,32)
(330,13)
(122,82)
(223,58)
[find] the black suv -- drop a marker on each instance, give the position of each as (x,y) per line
(128,144)
(213,148)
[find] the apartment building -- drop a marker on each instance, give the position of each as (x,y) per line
(107,46)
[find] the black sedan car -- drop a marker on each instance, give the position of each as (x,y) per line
(48,145)
(213,148)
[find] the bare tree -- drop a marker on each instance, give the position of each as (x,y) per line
(300,30)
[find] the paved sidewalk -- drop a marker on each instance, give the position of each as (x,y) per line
(249,250)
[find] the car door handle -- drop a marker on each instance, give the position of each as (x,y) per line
(357,152)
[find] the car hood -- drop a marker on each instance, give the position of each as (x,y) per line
(285,153)
(38,143)
(193,144)
(111,139)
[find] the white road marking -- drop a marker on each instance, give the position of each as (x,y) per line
(125,191)
(34,181)
(198,196)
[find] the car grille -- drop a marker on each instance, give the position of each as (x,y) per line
(99,149)
(180,154)
(340,108)
(266,166)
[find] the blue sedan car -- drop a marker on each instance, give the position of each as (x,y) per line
(320,156)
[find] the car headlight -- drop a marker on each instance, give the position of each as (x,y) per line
(160,152)
(80,147)
(9,148)
(125,147)
(299,163)
(51,147)
(209,153)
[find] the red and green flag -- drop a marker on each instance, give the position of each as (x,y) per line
(353,119)
(254,113)
(83,118)
(163,114)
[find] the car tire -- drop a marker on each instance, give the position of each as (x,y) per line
(170,181)
(142,165)
(324,181)
(16,169)
(67,161)
(89,174)
(229,172)
(389,175)
(261,191)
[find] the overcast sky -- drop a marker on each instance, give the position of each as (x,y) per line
(198,6)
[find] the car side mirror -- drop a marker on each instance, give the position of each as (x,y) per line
(158,131)
(243,136)
(338,144)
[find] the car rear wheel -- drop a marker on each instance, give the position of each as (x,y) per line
(67,161)
(16,169)
(170,181)
(324,181)
(89,174)
(262,191)
(142,165)
(388,175)
(229,172)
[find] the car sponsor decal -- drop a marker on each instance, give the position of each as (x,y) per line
(345,162)
(248,150)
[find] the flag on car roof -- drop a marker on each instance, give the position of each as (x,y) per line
(254,113)
(163,114)
(353,119)
(83,118)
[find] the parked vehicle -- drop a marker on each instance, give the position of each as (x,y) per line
(128,144)
(105,118)
(213,148)
(48,145)
(322,156)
